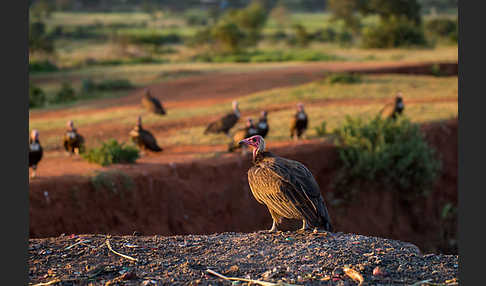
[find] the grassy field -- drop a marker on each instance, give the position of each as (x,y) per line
(78,52)
(323,103)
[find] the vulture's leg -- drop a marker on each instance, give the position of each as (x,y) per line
(33,172)
(304,226)
(76,151)
(274,226)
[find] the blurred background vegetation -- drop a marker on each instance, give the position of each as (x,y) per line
(76,35)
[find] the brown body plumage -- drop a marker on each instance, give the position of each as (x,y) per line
(72,141)
(242,133)
(299,123)
(286,187)
(143,138)
(152,104)
(225,123)
(35,152)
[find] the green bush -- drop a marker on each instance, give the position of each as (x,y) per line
(443,27)
(37,97)
(65,94)
(394,32)
(112,152)
(278,36)
(227,36)
(321,129)
(302,38)
(391,153)
(343,78)
(39,40)
(196,17)
(42,66)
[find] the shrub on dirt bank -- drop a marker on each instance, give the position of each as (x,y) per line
(42,66)
(390,153)
(112,152)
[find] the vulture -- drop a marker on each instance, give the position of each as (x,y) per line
(242,133)
(262,125)
(73,142)
(35,151)
(299,122)
(399,106)
(225,123)
(286,187)
(152,104)
(143,138)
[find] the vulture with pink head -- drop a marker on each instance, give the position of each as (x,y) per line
(242,133)
(286,187)
(35,151)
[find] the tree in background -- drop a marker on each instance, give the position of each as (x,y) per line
(346,10)
(39,40)
(280,15)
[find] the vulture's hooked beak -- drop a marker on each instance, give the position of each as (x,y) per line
(243,142)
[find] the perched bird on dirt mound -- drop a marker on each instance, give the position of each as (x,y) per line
(399,106)
(286,187)
(143,138)
(35,151)
(242,133)
(152,104)
(298,124)
(262,125)
(72,141)
(225,123)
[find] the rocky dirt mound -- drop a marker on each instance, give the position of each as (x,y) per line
(310,258)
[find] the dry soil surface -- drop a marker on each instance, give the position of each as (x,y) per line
(309,258)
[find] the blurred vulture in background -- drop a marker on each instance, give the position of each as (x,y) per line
(249,130)
(152,104)
(35,151)
(225,123)
(399,106)
(286,187)
(298,124)
(262,125)
(73,142)
(143,138)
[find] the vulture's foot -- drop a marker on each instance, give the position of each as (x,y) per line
(274,227)
(304,227)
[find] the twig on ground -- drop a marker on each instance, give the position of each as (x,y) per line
(263,283)
(117,253)
(79,242)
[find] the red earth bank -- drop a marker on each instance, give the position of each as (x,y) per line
(212,195)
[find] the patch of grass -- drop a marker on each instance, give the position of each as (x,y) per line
(321,129)
(112,152)
(42,66)
(392,153)
(267,56)
(90,85)
(343,78)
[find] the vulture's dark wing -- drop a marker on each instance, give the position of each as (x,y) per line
(224,124)
(288,187)
(149,140)
(35,153)
(157,105)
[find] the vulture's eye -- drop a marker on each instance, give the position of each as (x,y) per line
(253,139)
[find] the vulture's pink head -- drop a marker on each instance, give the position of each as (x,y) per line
(235,105)
(255,142)
(399,96)
(264,114)
(249,122)
(300,107)
(34,135)
(70,124)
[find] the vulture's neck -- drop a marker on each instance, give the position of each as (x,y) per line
(261,155)
(237,113)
